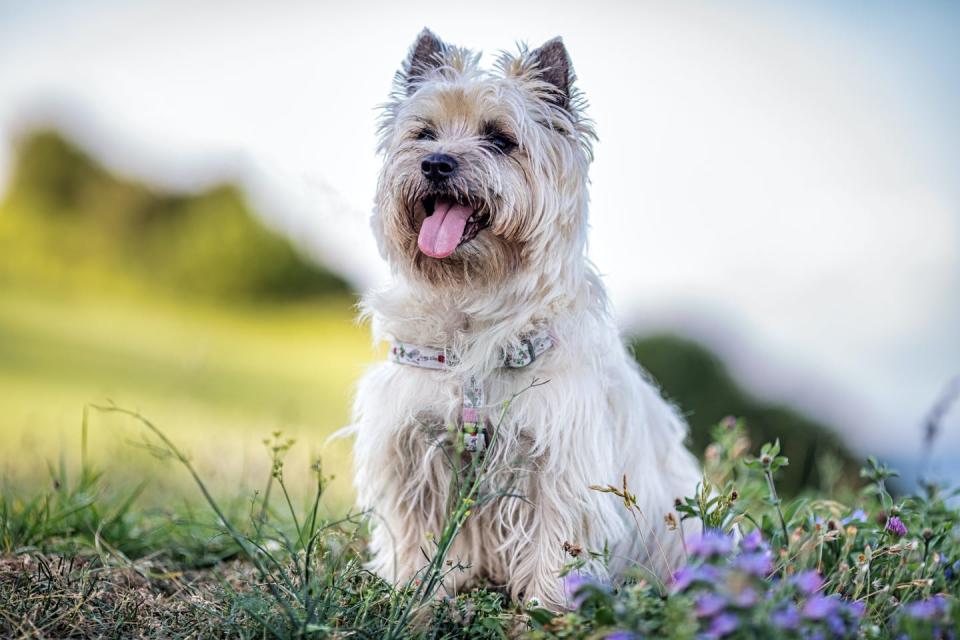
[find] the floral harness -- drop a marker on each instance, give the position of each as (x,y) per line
(473,423)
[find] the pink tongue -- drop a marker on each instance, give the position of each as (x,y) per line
(440,233)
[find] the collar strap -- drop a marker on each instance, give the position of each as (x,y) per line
(530,347)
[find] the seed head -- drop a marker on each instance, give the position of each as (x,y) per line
(671,521)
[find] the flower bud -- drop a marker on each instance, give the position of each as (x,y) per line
(712,453)
(740,447)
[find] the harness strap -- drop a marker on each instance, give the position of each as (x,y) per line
(472,419)
(471,415)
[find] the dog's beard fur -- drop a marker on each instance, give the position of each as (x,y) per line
(522,149)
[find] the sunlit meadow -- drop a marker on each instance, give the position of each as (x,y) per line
(181,254)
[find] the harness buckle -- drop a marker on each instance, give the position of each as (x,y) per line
(528,343)
(474,442)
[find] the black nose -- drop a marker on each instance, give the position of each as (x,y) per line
(438,166)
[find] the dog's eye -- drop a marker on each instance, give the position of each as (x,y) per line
(426,134)
(501,142)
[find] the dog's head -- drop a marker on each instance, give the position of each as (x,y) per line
(485,172)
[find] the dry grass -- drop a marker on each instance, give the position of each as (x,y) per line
(55,596)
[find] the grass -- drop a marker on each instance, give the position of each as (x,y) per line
(192,523)
(219,377)
(84,560)
(100,532)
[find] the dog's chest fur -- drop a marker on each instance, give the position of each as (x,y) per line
(593,421)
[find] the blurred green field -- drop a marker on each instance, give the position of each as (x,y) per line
(183,306)
(218,381)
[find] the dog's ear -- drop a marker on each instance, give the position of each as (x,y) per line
(426,54)
(553,66)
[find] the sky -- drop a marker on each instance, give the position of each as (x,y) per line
(778,180)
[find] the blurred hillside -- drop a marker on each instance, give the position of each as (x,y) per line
(188,308)
(700,385)
(67,221)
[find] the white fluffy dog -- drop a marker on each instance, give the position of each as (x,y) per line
(481,212)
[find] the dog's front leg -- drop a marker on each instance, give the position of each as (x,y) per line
(555,512)
(408,509)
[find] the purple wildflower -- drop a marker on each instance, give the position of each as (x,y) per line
(685,576)
(709,573)
(808,582)
(787,618)
(574,587)
(857,516)
(837,624)
(952,570)
(745,598)
(930,609)
(819,607)
(896,527)
(857,609)
(758,564)
(752,541)
(709,604)
(621,635)
(711,543)
(722,625)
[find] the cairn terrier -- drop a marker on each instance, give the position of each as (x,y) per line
(481,213)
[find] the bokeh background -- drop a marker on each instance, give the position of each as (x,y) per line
(185,187)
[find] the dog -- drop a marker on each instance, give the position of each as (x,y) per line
(481,213)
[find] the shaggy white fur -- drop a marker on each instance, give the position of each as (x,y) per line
(522,148)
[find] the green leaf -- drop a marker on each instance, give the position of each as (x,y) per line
(540,615)
(604,616)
